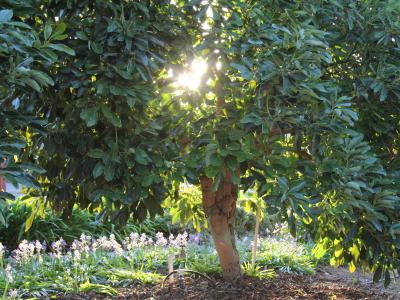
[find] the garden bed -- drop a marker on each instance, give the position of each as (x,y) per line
(104,268)
(327,283)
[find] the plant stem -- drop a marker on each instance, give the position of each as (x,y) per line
(256,232)
(5,291)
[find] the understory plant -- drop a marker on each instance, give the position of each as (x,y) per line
(104,264)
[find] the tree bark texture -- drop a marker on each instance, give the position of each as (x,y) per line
(220,207)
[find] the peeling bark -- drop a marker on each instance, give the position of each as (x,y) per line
(220,208)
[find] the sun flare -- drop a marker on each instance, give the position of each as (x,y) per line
(192,78)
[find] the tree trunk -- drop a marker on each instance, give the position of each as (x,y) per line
(220,207)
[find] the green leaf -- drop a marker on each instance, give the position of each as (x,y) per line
(27,40)
(47,31)
(387,278)
(96,153)
(252,118)
(60,28)
(13,142)
(216,160)
(131,101)
(235,178)
(82,35)
(383,95)
(354,185)
(3,221)
(216,182)
(109,172)
(6,15)
(255,42)
(244,71)
(292,224)
(5,195)
(32,168)
(317,43)
(90,116)
(319,250)
(298,187)
(97,47)
(378,274)
(29,221)
(32,83)
(232,163)
(62,48)
(147,180)
(141,157)
(98,170)
(235,134)
(48,54)
(111,116)
(42,78)
(123,73)
(352,267)
(211,171)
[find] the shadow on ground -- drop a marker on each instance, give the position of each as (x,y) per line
(327,283)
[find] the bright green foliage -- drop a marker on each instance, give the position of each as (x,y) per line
(304,107)
(257,271)
(185,207)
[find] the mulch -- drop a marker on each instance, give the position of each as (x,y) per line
(326,284)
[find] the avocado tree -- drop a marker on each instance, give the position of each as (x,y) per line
(296,99)
(23,76)
(285,92)
(106,136)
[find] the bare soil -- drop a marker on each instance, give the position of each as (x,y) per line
(327,283)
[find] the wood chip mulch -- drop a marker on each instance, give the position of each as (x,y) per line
(326,284)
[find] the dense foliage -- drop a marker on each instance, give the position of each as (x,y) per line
(23,75)
(301,104)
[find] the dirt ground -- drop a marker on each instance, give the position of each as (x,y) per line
(327,283)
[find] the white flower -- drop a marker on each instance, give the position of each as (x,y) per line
(85,238)
(143,240)
(2,250)
(38,247)
(108,244)
(58,247)
(161,240)
(95,245)
(24,252)
(182,239)
(134,236)
(75,245)
(171,240)
(12,293)
(115,245)
(76,255)
(135,241)
(8,273)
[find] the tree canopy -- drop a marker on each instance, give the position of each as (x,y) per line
(299,100)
